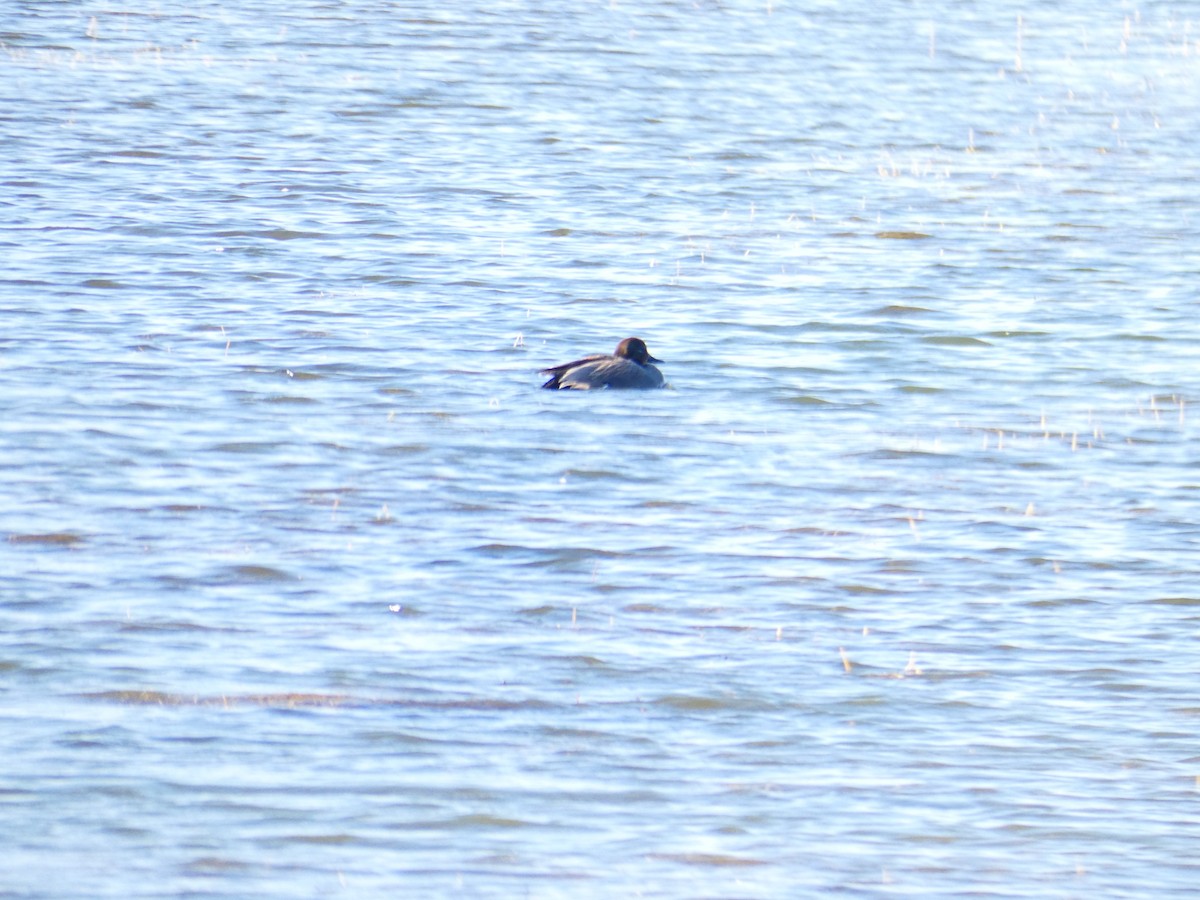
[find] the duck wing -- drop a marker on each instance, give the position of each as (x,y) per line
(606,372)
(557,372)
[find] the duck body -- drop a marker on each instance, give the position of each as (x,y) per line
(628,368)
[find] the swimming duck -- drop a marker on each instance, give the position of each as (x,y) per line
(628,367)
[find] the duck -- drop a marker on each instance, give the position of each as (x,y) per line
(628,367)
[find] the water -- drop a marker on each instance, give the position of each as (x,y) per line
(309,590)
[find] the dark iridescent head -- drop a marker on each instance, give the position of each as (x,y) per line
(635,349)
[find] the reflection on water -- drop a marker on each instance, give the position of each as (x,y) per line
(308,586)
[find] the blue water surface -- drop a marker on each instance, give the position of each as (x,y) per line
(307,589)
